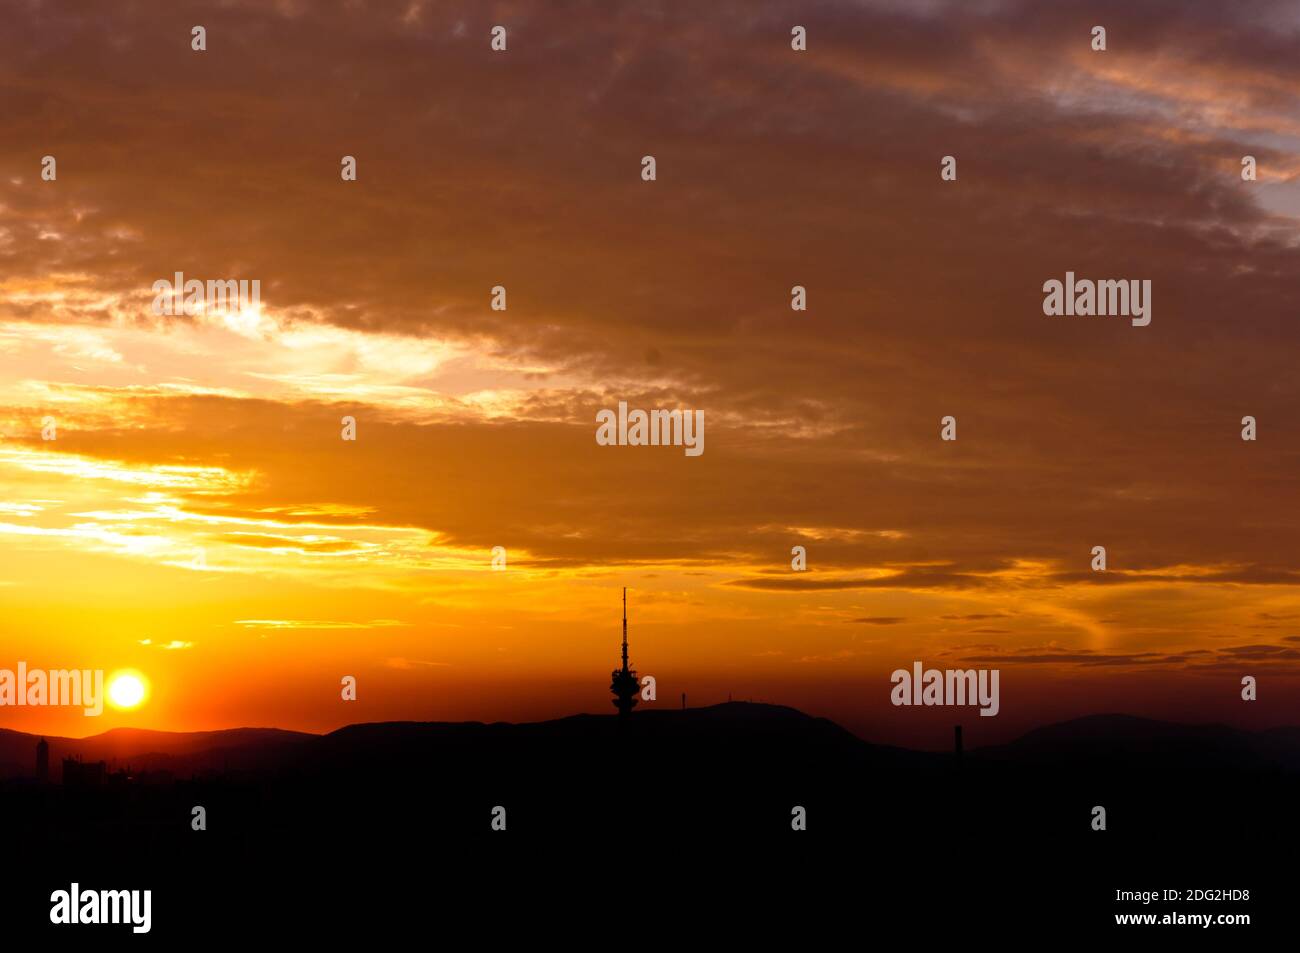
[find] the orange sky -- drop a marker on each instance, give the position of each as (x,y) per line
(199,518)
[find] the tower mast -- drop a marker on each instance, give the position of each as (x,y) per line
(623,683)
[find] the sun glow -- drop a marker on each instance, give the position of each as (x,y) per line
(127,690)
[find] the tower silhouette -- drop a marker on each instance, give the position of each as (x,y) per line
(623,683)
(43,761)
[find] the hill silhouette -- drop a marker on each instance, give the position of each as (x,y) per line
(1147,745)
(688,795)
(734,768)
(145,750)
(1092,741)
(245,748)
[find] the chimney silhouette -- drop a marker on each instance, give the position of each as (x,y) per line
(43,761)
(956,731)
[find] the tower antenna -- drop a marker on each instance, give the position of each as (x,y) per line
(623,682)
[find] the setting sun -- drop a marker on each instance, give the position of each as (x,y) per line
(126,690)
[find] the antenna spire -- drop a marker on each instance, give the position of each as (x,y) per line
(623,682)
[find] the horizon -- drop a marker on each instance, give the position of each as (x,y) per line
(664,711)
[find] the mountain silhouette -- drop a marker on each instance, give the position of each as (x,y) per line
(146,750)
(1145,745)
(1149,744)
(687,796)
(731,770)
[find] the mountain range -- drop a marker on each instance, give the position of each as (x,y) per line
(1109,739)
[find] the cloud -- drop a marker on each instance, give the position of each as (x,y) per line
(316,624)
(218,435)
(1189,658)
(406,664)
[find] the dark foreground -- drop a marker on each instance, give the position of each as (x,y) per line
(675,829)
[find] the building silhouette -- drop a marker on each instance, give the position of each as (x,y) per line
(623,683)
(43,761)
(79,775)
(121,778)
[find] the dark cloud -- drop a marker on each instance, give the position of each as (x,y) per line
(774,169)
(1191,658)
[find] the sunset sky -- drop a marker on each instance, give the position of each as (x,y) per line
(199,518)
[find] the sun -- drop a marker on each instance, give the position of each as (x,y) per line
(127,690)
